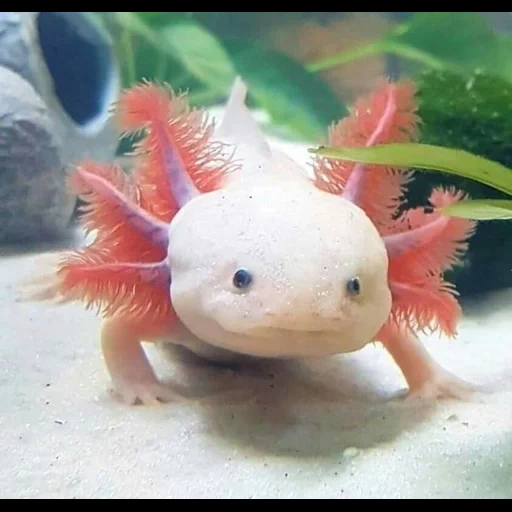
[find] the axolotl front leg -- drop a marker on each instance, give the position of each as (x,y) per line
(133,377)
(426,378)
(418,257)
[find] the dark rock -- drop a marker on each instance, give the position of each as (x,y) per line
(34,203)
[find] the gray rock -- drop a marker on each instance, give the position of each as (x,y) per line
(69,60)
(34,202)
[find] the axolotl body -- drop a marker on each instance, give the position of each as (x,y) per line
(227,246)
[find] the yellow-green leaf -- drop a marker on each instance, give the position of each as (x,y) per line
(426,156)
(481,209)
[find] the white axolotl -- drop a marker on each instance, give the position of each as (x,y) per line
(224,245)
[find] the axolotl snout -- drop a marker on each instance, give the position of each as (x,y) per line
(226,246)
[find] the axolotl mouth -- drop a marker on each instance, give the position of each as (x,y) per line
(271,335)
(275,342)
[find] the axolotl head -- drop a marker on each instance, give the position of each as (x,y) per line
(278,270)
(272,266)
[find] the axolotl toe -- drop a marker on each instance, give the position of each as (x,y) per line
(224,245)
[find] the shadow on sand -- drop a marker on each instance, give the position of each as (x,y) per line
(318,408)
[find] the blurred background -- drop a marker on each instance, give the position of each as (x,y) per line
(304,70)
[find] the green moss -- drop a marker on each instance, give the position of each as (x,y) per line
(475,114)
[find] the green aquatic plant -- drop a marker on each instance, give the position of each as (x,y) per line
(441,159)
(466,138)
(464,96)
(466,142)
(188,51)
(178,48)
(472,44)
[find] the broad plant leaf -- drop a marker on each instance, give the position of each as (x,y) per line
(463,40)
(162,19)
(427,156)
(183,43)
(471,113)
(481,209)
(201,53)
(188,56)
(294,97)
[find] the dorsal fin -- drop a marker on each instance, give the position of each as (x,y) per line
(238,126)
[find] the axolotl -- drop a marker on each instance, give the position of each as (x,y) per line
(222,244)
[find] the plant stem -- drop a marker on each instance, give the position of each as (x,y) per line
(129,21)
(375,48)
(161,67)
(359,52)
(129,55)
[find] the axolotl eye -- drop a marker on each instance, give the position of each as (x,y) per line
(354,286)
(242,279)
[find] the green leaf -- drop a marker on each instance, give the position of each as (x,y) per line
(471,113)
(481,209)
(465,40)
(181,52)
(184,43)
(137,25)
(186,54)
(294,97)
(158,66)
(161,19)
(458,41)
(201,53)
(426,156)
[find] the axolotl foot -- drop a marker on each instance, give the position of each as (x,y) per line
(442,384)
(427,380)
(133,378)
(146,392)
